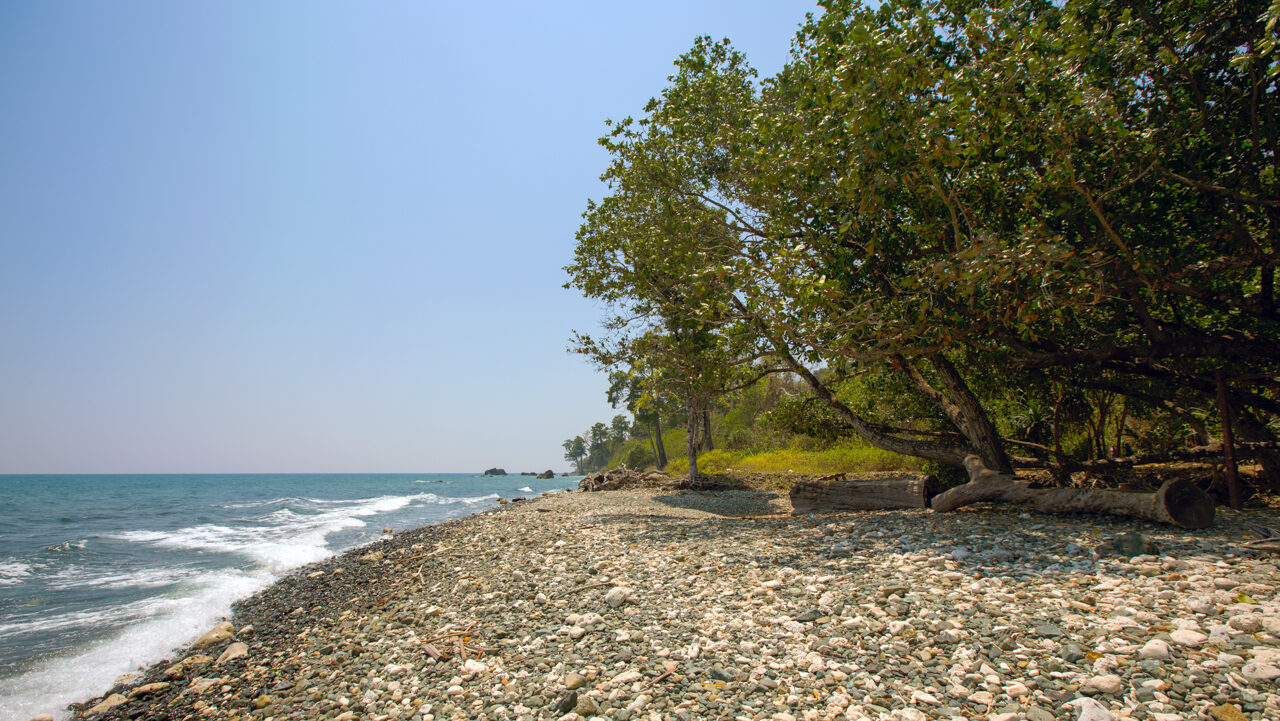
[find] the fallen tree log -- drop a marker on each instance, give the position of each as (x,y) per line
(840,495)
(1178,502)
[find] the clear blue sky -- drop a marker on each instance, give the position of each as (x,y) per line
(313,236)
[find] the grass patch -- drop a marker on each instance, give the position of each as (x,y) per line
(849,456)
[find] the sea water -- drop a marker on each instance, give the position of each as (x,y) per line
(102,575)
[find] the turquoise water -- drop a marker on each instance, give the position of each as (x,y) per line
(100,575)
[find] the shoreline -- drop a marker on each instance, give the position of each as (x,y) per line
(688,604)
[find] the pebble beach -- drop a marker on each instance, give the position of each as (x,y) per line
(665,604)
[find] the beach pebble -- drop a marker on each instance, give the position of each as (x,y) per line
(148,689)
(216,635)
(109,703)
(1246,623)
(1187,637)
(1260,672)
(232,652)
(1155,649)
(860,616)
(616,596)
(1088,709)
(1109,683)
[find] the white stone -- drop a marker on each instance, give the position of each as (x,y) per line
(1110,683)
(627,677)
(473,666)
(983,698)
(616,596)
(454,690)
(1090,710)
(1187,637)
(1265,654)
(925,698)
(1201,604)
(216,635)
(1257,672)
(1247,623)
(234,651)
(1155,649)
(1017,689)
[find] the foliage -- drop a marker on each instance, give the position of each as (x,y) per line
(941,215)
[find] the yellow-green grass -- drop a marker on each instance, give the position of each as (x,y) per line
(846,457)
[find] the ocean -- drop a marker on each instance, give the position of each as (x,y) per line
(101,575)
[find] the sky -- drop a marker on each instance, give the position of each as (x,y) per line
(270,237)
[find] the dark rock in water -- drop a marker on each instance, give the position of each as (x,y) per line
(547,474)
(1128,545)
(495,472)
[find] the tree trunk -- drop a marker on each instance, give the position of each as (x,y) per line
(869,432)
(1124,418)
(840,495)
(977,426)
(961,407)
(691,441)
(660,451)
(1178,502)
(707,444)
(1251,430)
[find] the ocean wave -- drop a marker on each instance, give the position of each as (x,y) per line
(147,631)
(86,577)
(285,539)
(525,489)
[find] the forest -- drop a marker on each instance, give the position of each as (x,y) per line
(1041,234)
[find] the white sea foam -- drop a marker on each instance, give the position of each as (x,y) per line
(12,572)
(287,539)
(277,541)
(155,627)
(525,489)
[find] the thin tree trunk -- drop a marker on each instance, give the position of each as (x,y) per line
(707,444)
(691,441)
(1057,426)
(660,451)
(961,407)
(1228,445)
(1124,418)
(981,430)
(1251,430)
(951,454)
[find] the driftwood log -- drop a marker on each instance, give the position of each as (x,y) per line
(842,495)
(1177,502)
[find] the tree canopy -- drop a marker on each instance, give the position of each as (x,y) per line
(986,199)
